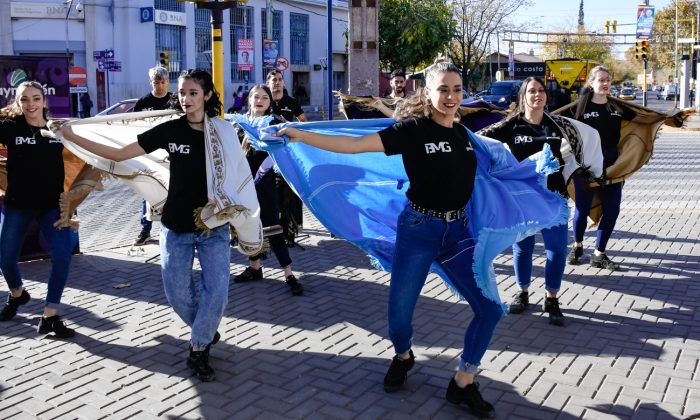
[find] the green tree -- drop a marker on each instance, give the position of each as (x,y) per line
(412,33)
(579,45)
(664,42)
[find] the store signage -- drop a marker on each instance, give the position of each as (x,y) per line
(44,11)
(166,17)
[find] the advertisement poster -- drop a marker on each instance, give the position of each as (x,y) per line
(645,22)
(270,53)
(51,72)
(245,54)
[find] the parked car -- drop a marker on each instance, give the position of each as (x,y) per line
(669,93)
(628,94)
(125,105)
(503,93)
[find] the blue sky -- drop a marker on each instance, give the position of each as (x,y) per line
(553,15)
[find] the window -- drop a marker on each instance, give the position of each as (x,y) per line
(171,39)
(202,38)
(170,5)
(299,38)
(241,27)
(276,33)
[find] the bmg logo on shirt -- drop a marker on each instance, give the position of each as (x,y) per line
(588,115)
(24,140)
(442,146)
(522,139)
(179,148)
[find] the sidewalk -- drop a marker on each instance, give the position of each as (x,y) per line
(631,348)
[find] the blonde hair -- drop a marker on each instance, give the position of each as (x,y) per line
(587,92)
(14,109)
(418,105)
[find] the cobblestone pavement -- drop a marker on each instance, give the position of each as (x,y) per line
(630,349)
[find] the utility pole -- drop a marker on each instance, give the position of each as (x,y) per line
(217,8)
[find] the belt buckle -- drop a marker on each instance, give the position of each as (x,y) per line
(451,215)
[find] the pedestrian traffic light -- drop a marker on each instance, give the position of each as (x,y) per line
(642,50)
(614,25)
(607,26)
(165,59)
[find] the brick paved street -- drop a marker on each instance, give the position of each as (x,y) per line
(631,348)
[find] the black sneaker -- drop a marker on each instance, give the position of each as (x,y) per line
(472,397)
(143,237)
(551,306)
(520,303)
(294,285)
(575,253)
(55,325)
(602,261)
(198,361)
(249,274)
(10,309)
(398,372)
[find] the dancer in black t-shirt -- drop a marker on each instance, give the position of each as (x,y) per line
(35,178)
(261,166)
(596,110)
(158,98)
(183,138)
(526,132)
(441,166)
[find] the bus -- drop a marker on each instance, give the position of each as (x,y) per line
(564,78)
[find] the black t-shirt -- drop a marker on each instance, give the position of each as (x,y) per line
(607,122)
(35,172)
(188,176)
(287,107)
(440,162)
(151,103)
(525,139)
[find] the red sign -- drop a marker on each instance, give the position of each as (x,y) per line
(77,76)
(282,64)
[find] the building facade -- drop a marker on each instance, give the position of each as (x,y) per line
(117,41)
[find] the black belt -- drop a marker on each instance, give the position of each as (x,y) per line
(446,215)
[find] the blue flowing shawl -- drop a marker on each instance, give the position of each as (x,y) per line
(359,197)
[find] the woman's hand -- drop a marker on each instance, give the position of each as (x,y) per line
(294,134)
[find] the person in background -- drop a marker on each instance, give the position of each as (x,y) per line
(398,92)
(35,177)
(283,105)
(261,166)
(86,105)
(237,104)
(158,98)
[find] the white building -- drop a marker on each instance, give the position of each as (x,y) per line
(138,31)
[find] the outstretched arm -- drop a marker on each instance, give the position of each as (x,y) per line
(379,105)
(112,153)
(339,144)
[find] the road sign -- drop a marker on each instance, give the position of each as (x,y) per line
(114,65)
(146,14)
(78,89)
(77,76)
(282,63)
(109,53)
(101,65)
(98,55)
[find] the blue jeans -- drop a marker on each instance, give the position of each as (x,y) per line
(420,241)
(13,230)
(610,199)
(145,223)
(555,241)
(200,305)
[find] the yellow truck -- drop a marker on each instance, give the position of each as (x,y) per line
(564,78)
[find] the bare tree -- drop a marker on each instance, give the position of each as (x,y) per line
(475,22)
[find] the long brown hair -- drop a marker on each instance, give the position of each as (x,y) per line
(523,90)
(14,109)
(418,105)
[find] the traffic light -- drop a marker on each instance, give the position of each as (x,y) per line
(607,26)
(642,50)
(614,25)
(165,59)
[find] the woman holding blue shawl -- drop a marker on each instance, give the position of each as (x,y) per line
(261,166)
(526,132)
(441,164)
